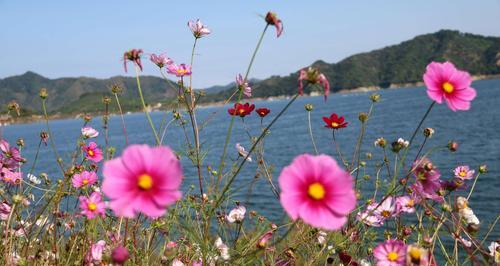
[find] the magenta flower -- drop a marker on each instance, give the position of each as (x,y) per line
(83,179)
(92,152)
(5,210)
(179,70)
(94,255)
(10,156)
(262,243)
(405,204)
(198,28)
(161,60)
(89,132)
(443,80)
(317,190)
(133,55)
(243,85)
(369,218)
(428,180)
(390,253)
(313,76)
(272,19)
(120,255)
(463,172)
(143,179)
(92,206)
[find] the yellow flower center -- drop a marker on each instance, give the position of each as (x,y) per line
(85,181)
(392,256)
(91,152)
(462,174)
(415,254)
(241,111)
(410,203)
(181,71)
(448,87)
(335,124)
(316,191)
(386,213)
(145,182)
(92,206)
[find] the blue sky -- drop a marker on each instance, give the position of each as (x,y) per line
(88,38)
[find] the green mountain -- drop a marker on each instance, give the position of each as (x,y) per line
(392,65)
(396,64)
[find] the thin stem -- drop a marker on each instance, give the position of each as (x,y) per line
(51,137)
(123,119)
(473,186)
(144,106)
(230,181)
(311,133)
(230,129)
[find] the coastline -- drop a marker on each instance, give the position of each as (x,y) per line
(59,116)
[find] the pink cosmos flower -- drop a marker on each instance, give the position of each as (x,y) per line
(463,172)
(243,85)
(161,60)
(10,156)
(428,179)
(92,152)
(317,190)
(120,255)
(405,204)
(313,76)
(272,19)
(85,178)
(236,215)
(89,132)
(11,177)
(143,179)
(133,55)
(94,255)
(179,70)
(387,208)
(198,28)
(369,218)
(262,243)
(390,253)
(5,210)
(443,80)
(92,206)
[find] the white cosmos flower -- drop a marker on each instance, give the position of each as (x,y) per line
(33,179)
(242,152)
(89,132)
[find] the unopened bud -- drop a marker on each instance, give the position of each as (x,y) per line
(20,142)
(428,132)
(309,107)
(375,97)
(428,166)
(452,146)
(43,93)
(363,117)
(116,89)
(106,100)
(483,169)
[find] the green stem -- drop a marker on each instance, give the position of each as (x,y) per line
(230,129)
(310,132)
(144,106)
(51,137)
(123,119)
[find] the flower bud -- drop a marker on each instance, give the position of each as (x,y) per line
(380,142)
(17,198)
(375,97)
(428,132)
(428,166)
(407,231)
(20,142)
(309,107)
(43,93)
(363,117)
(87,118)
(106,100)
(473,228)
(116,89)
(452,146)
(483,169)
(120,255)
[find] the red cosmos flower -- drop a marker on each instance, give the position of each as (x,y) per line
(262,112)
(335,121)
(133,55)
(241,110)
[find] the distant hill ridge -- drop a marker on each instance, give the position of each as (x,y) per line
(396,64)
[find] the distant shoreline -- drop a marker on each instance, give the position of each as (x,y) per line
(39,118)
